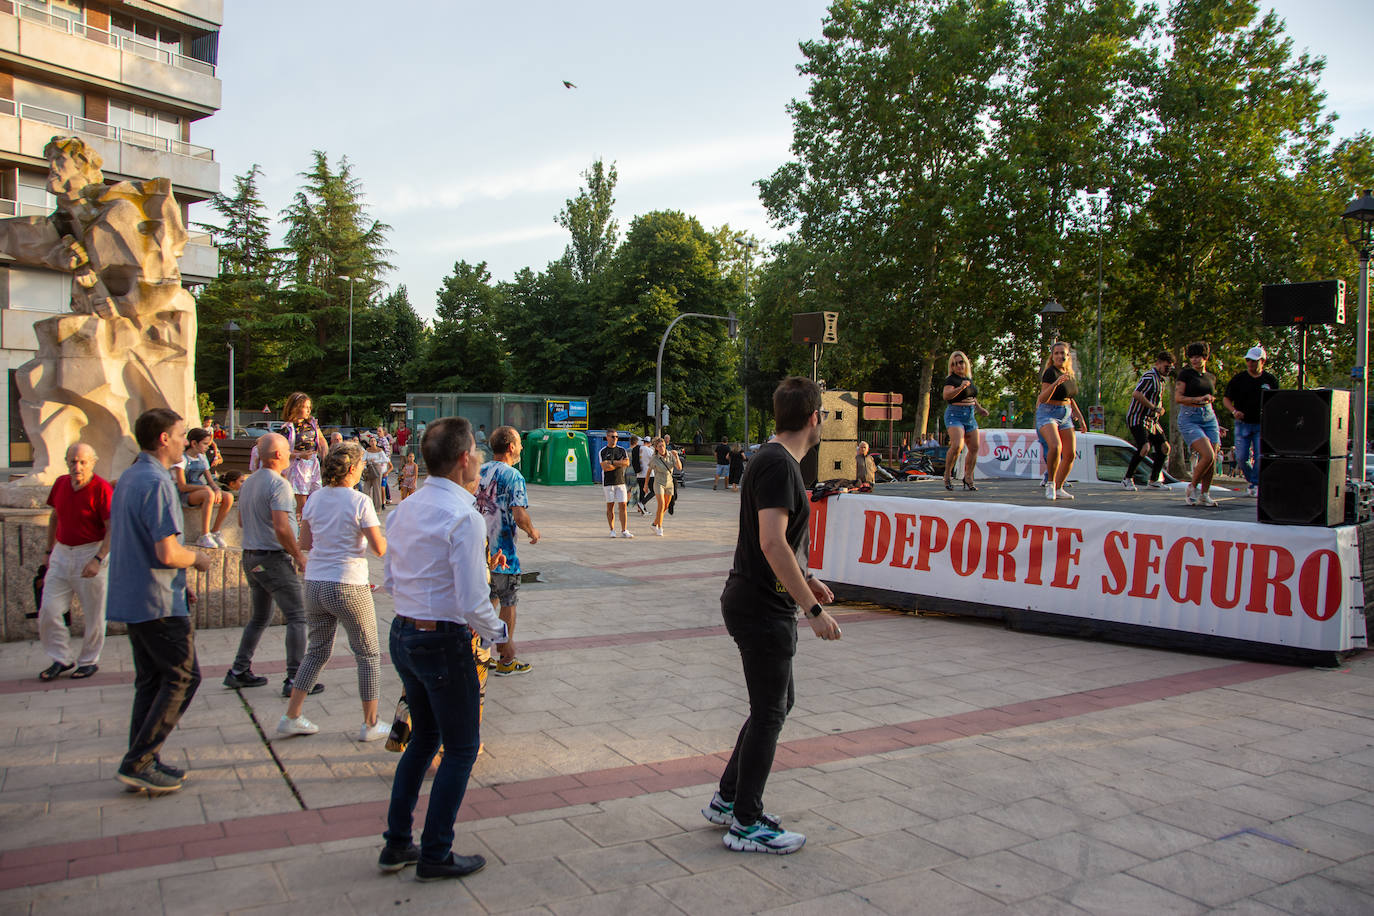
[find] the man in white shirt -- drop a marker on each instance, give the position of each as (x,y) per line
(436,572)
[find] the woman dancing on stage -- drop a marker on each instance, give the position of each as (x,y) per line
(962,397)
(1194,392)
(1056,413)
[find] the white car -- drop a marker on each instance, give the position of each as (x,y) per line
(1015,454)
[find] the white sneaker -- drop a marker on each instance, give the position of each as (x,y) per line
(1128,484)
(1049,491)
(207,542)
(626,534)
(1252,490)
(298,726)
(614,533)
(219,539)
(1190,495)
(1063,494)
(657,530)
(1158,485)
(1207,500)
(374,732)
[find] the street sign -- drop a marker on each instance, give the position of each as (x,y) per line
(650,410)
(1097,418)
(882,397)
(882,413)
(566,414)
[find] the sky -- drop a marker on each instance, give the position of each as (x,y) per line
(468,145)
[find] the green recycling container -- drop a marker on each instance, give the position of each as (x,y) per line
(556,458)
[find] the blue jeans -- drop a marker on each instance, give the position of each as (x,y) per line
(1247,450)
(961,417)
(440,681)
(1199,423)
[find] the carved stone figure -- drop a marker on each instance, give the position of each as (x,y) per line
(128,344)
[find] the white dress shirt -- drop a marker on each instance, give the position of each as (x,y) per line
(436,559)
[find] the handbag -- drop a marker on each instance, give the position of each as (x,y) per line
(370,472)
(400,727)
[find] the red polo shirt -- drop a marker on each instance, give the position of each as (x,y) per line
(81,514)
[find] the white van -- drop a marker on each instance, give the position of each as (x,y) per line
(1015,454)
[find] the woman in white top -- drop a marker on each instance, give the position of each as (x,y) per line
(338,526)
(379,465)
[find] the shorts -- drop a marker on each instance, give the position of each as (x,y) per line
(961,418)
(1046,414)
(503,588)
(1199,423)
(304,475)
(617,493)
(722,470)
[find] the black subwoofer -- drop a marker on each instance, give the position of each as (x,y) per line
(1302,491)
(1310,422)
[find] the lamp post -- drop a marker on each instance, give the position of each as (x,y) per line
(749,246)
(658,366)
(350,344)
(1099,196)
(1359,232)
(230,328)
(1050,313)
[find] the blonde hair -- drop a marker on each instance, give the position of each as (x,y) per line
(1068,357)
(294,402)
(968,364)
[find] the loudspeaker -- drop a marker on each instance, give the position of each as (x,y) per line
(843,419)
(1311,422)
(1322,302)
(815,327)
(830,460)
(1302,491)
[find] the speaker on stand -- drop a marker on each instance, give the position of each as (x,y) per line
(1302,304)
(1303,444)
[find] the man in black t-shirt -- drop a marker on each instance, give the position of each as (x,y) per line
(767,586)
(1242,398)
(722,461)
(614,460)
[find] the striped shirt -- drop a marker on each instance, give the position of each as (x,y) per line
(1152,387)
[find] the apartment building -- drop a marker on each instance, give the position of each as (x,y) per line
(127,77)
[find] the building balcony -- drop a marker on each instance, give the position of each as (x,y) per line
(31,31)
(26,129)
(199,262)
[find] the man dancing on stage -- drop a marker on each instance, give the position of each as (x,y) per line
(767,587)
(1147,406)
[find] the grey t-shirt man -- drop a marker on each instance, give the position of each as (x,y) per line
(264,491)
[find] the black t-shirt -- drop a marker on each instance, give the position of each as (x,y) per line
(773,480)
(616,477)
(1061,392)
(1196,384)
(967,396)
(722,453)
(1244,392)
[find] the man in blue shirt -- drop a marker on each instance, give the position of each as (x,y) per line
(503,500)
(147,591)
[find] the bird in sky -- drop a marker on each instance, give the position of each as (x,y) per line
(568,85)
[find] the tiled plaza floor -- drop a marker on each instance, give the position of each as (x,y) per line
(937,765)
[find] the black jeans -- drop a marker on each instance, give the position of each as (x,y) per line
(440,681)
(166,676)
(1153,435)
(767,645)
(272,577)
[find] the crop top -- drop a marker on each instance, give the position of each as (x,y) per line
(1061,392)
(967,396)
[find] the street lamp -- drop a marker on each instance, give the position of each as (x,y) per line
(1359,232)
(230,327)
(749,245)
(1050,313)
(350,344)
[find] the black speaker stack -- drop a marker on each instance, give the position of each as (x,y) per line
(1303,444)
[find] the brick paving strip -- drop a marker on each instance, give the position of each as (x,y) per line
(345,660)
(62,861)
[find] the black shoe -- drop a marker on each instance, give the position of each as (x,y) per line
(286,687)
(456,867)
(168,769)
(969,486)
(243,679)
(54,671)
(150,779)
(393,859)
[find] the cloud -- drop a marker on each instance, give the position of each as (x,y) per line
(495,239)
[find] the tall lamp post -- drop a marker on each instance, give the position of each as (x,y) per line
(231,328)
(658,365)
(749,246)
(1099,196)
(1359,232)
(350,343)
(1050,313)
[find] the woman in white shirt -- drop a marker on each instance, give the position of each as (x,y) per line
(379,465)
(338,526)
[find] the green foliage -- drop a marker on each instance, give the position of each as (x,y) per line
(205,408)
(465,349)
(587,217)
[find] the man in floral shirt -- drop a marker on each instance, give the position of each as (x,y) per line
(503,502)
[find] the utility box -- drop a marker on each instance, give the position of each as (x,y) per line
(556,458)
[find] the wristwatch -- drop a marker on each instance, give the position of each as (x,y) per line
(814,611)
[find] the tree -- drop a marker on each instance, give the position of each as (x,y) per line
(552,324)
(465,350)
(389,340)
(587,217)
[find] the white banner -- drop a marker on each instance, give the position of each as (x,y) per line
(1287,586)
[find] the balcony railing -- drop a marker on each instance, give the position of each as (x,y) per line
(39,13)
(108,131)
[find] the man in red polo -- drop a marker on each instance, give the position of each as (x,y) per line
(78,545)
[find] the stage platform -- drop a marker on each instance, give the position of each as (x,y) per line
(1132,566)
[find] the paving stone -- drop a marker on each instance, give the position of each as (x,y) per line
(1263,803)
(206,892)
(1200,878)
(896,852)
(525,843)
(1314,895)
(735,889)
(844,903)
(871,815)
(638,899)
(972,835)
(1078,855)
(1145,836)
(1265,857)
(1005,876)
(502,888)
(1124,895)
(930,891)
(1036,817)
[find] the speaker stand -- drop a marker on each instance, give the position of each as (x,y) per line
(1302,355)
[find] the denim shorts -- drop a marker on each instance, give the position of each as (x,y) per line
(1046,414)
(1199,423)
(961,417)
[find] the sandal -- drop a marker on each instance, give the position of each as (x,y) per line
(84,671)
(969,486)
(54,671)
(948,485)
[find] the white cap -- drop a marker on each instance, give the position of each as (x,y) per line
(1256,352)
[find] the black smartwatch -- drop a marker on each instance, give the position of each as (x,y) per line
(815,611)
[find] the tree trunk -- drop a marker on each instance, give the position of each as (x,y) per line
(923,400)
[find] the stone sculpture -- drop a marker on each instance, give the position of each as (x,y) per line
(128,344)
